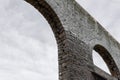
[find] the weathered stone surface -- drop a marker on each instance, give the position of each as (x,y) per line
(77,34)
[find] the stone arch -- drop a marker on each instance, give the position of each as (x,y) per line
(103,52)
(49,14)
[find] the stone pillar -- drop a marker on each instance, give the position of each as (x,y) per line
(75,60)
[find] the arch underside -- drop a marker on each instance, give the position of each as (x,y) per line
(45,9)
(74,28)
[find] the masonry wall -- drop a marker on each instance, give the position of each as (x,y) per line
(77,34)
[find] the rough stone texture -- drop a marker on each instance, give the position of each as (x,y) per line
(77,34)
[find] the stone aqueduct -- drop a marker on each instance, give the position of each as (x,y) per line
(77,35)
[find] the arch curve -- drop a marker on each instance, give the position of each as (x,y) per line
(103,52)
(45,9)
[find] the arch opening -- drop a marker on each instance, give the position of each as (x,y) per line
(107,59)
(31,46)
(99,62)
(49,14)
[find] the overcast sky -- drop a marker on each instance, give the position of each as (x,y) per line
(27,52)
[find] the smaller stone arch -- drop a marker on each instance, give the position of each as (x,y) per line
(103,52)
